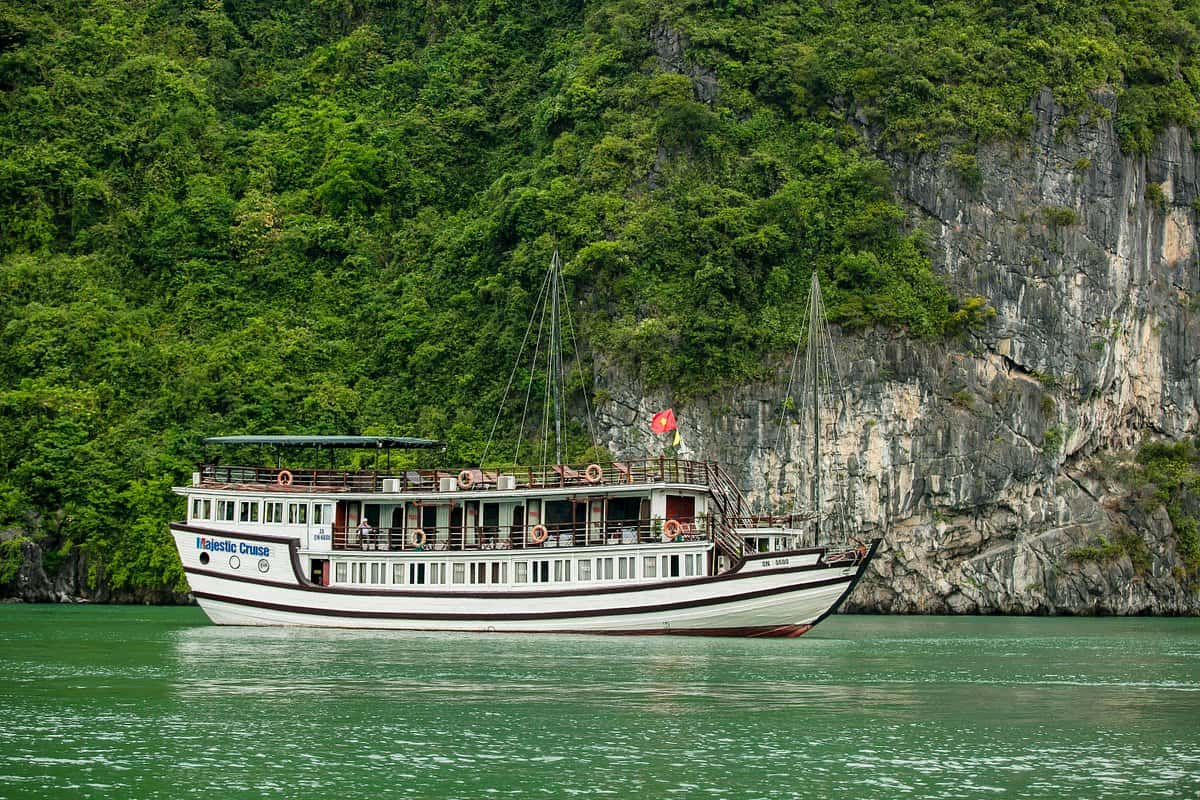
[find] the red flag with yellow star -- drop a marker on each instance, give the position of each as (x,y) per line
(663,421)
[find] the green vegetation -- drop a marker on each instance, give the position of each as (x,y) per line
(332,217)
(1156,197)
(1127,544)
(967,168)
(1052,441)
(1059,216)
(1169,477)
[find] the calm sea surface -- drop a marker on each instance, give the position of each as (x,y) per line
(156,703)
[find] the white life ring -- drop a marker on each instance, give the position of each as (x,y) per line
(594,473)
(538,534)
(465,479)
(417,538)
(284,478)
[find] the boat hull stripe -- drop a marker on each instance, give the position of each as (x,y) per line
(308,586)
(484,619)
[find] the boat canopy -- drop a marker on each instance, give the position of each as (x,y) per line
(362,442)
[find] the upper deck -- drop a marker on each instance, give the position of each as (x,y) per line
(613,474)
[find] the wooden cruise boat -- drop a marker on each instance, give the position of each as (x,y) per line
(653,546)
(657,546)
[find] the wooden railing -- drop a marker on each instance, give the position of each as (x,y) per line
(547,476)
(456,538)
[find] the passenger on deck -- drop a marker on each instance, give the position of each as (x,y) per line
(364,534)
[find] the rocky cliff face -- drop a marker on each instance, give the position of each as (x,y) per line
(989,462)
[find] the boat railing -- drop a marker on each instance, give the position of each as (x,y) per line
(518,537)
(546,476)
(796,520)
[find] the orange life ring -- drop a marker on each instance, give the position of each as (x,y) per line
(465,479)
(538,534)
(284,478)
(417,538)
(594,473)
(862,552)
(673,530)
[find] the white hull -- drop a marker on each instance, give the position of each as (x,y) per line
(784,597)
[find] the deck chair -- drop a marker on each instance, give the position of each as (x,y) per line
(566,474)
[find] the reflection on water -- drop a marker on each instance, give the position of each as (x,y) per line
(154,703)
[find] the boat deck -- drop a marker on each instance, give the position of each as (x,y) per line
(413,481)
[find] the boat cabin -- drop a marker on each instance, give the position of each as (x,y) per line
(551,524)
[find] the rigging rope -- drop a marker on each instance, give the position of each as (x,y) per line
(512,375)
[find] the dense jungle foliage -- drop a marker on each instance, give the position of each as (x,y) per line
(331,216)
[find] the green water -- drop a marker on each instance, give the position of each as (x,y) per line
(155,703)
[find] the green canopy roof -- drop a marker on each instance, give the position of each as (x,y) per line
(364,442)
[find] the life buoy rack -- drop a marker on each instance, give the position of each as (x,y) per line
(284,478)
(594,473)
(466,479)
(417,538)
(673,530)
(538,534)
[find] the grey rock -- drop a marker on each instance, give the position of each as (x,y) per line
(1094,347)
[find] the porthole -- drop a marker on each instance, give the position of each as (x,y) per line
(235,562)
(204,558)
(263,565)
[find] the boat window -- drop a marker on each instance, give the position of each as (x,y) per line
(521,572)
(623,567)
(437,573)
(339,572)
(604,569)
(689,565)
(478,572)
(500,572)
(429,518)
(624,509)
(249,511)
(649,567)
(273,512)
(584,569)
(460,572)
(562,569)
(375,570)
(297,513)
(398,573)
(671,566)
(558,512)
(196,508)
(207,510)
(416,573)
(225,510)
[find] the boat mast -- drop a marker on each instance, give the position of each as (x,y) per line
(814,331)
(556,376)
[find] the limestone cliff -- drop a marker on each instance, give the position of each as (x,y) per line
(989,462)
